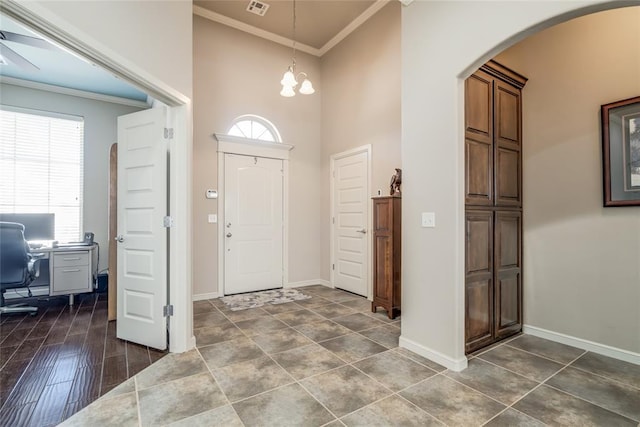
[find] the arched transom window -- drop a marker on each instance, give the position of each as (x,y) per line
(254,127)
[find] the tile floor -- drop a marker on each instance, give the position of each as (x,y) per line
(329,361)
(59,361)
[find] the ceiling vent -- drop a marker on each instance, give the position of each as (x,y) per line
(257,7)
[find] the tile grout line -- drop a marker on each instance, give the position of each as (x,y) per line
(137,391)
(543,356)
(589,401)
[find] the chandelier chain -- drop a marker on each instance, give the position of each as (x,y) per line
(294,33)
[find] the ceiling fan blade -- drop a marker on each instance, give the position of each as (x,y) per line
(17,59)
(28,40)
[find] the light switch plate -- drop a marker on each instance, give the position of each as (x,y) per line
(213,218)
(429,219)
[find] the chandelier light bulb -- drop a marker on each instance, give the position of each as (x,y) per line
(288,79)
(287,91)
(307,88)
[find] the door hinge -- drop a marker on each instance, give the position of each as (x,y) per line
(167,221)
(333,266)
(168,133)
(333,220)
(167,310)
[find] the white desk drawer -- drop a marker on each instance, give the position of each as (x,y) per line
(69,259)
(71,278)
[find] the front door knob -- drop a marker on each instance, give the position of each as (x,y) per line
(229,234)
(119,238)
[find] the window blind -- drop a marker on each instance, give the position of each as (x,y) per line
(41,167)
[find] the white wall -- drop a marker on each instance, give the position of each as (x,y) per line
(361,104)
(100,131)
(234,74)
(150,38)
(442,42)
(581,261)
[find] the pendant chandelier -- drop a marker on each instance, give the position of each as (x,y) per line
(290,79)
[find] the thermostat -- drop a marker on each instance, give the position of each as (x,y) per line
(212,194)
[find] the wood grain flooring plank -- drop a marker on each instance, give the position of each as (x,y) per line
(16,337)
(6,352)
(114,370)
(86,384)
(64,370)
(74,407)
(29,387)
(91,354)
(46,356)
(28,349)
(113,346)
(41,330)
(16,415)
(73,344)
(56,335)
(51,405)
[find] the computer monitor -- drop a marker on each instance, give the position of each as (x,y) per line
(37,226)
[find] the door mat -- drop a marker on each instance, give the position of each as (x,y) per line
(258,299)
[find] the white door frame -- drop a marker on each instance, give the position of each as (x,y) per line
(332,256)
(228,144)
(34,16)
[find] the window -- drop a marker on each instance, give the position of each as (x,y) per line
(41,159)
(254,127)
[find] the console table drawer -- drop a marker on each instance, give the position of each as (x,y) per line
(70,259)
(71,278)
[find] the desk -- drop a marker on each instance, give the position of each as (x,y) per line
(72,269)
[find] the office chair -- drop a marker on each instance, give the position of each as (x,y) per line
(18,266)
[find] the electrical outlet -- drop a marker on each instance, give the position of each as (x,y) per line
(429,219)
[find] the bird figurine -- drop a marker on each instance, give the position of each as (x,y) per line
(396,180)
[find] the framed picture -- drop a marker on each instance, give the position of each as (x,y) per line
(621,152)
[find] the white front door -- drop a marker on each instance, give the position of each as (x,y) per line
(350,218)
(142,237)
(253,223)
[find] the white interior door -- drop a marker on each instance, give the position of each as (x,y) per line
(142,237)
(350,220)
(253,224)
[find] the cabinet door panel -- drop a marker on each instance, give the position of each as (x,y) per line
(508,177)
(479,279)
(479,246)
(479,173)
(383,273)
(507,113)
(508,267)
(382,216)
(479,313)
(479,107)
(508,304)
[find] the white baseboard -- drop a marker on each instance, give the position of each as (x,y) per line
(605,350)
(308,283)
(200,297)
(435,356)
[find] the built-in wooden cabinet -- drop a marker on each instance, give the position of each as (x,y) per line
(387,212)
(493,200)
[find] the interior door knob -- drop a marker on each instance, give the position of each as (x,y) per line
(229,234)
(363,231)
(119,238)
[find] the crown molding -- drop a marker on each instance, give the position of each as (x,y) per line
(73,92)
(238,25)
(353,25)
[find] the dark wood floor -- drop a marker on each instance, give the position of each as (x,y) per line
(57,362)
